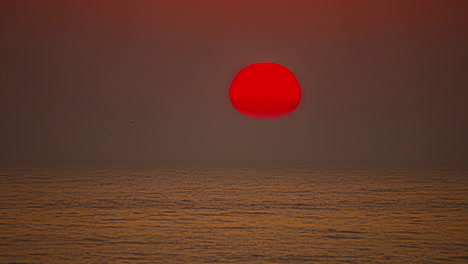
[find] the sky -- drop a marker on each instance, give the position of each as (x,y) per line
(381,80)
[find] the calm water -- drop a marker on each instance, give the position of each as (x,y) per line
(230,212)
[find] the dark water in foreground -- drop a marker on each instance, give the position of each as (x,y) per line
(253,212)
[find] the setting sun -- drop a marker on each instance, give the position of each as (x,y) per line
(265,91)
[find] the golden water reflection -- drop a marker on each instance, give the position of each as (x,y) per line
(223,213)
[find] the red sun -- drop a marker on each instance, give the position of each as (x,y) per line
(265,91)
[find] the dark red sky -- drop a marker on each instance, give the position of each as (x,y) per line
(381,80)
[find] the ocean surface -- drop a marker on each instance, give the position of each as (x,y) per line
(233,212)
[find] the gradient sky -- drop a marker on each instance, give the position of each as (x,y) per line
(381,80)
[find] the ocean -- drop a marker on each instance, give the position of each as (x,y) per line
(233,212)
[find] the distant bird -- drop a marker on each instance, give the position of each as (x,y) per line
(119,129)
